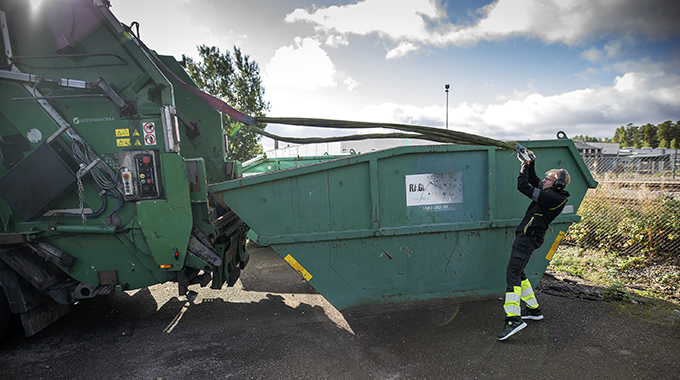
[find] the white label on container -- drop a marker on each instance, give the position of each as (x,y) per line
(435,189)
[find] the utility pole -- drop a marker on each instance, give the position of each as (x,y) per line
(446,88)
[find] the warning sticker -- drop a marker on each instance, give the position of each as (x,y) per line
(123,142)
(150,139)
(135,133)
(122,132)
(149,133)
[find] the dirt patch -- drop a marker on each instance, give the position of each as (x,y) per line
(624,299)
(563,284)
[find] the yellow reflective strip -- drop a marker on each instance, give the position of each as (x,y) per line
(556,207)
(511,305)
(528,297)
(512,310)
(528,224)
(552,250)
(528,294)
(531,303)
(298,268)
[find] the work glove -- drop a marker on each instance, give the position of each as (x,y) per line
(525,156)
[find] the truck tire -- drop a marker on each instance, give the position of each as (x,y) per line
(5,313)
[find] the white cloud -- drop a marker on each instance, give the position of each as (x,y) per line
(565,21)
(570,21)
(634,97)
(612,50)
(406,21)
(350,83)
(371,16)
(401,50)
(302,66)
(592,55)
(337,40)
(305,65)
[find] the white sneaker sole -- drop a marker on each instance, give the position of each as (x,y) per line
(513,332)
(533,317)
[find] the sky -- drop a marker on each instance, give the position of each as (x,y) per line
(517,69)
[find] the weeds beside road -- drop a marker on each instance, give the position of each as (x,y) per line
(647,276)
(648,287)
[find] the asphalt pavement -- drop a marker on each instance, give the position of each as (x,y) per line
(273,325)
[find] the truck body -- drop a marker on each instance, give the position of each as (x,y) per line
(97,195)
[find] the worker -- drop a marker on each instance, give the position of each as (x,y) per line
(548,198)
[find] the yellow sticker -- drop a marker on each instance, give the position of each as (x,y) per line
(135,133)
(293,263)
(122,132)
(550,254)
(137,143)
(123,142)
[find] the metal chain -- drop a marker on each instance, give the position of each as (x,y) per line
(81,193)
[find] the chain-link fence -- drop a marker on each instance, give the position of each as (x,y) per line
(635,208)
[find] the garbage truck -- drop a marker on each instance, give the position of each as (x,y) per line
(114,177)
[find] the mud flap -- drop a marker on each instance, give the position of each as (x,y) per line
(42,316)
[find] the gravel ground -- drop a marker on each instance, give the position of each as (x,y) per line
(273,325)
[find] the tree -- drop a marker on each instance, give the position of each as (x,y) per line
(664,133)
(620,137)
(586,138)
(628,136)
(237,81)
(633,136)
(649,133)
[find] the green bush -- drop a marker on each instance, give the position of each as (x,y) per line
(628,221)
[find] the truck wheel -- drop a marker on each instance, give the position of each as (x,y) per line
(5,313)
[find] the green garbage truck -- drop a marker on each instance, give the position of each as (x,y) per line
(114,177)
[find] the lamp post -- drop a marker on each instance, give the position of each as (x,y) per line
(446,88)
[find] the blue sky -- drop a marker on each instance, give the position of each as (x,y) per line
(518,69)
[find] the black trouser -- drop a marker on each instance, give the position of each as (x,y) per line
(522,249)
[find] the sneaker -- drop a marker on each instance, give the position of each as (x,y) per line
(511,327)
(533,314)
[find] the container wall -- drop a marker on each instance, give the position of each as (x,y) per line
(405,224)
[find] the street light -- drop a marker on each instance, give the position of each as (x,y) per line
(446,88)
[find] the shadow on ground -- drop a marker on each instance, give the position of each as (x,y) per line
(277,329)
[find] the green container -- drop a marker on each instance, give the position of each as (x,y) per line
(266,164)
(405,224)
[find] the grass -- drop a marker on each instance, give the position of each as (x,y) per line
(633,282)
(621,276)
